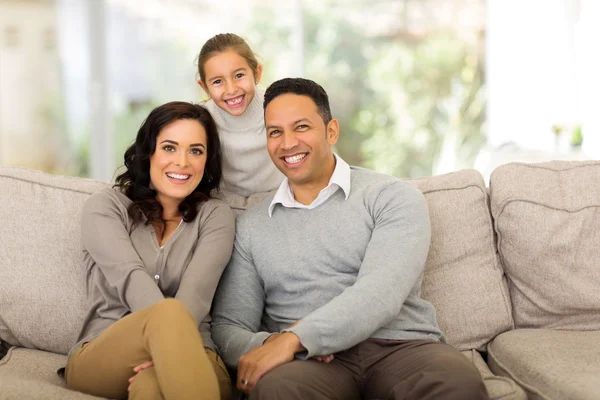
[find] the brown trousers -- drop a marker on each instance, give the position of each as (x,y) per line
(378,369)
(164,333)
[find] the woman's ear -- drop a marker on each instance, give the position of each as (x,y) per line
(258,74)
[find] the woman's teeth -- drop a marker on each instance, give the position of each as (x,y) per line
(178,176)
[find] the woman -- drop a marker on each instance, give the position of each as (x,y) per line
(154,249)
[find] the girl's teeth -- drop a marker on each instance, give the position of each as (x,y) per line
(235,101)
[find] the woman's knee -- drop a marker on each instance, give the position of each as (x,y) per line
(172,310)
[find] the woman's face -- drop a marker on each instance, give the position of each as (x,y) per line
(177,165)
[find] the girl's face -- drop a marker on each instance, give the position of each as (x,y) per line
(230,81)
(177,164)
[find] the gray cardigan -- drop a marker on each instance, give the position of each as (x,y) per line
(127,270)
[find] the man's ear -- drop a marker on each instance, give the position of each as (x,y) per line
(258,73)
(203,86)
(333,131)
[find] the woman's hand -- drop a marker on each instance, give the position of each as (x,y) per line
(139,368)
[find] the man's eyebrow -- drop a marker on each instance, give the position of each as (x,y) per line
(294,123)
(301,120)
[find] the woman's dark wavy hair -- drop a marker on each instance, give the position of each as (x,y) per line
(135,181)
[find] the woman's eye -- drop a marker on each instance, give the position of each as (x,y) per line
(196,152)
(168,147)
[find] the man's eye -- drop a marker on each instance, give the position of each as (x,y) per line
(274,132)
(169,148)
(302,127)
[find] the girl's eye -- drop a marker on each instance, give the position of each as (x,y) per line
(169,147)
(216,82)
(239,75)
(196,151)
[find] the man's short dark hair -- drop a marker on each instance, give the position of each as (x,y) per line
(301,87)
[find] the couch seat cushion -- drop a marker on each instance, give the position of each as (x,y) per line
(547,217)
(498,387)
(31,374)
(549,364)
(463,276)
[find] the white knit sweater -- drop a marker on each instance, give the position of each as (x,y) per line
(247,167)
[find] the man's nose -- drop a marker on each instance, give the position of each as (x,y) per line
(289,140)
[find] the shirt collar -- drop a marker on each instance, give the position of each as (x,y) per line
(340,177)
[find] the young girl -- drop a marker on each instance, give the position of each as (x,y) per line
(229,73)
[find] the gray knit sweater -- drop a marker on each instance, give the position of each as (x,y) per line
(247,167)
(349,269)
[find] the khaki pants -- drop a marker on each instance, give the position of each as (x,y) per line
(164,333)
(377,369)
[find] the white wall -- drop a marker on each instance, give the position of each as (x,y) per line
(531,70)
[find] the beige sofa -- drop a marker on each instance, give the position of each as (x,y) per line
(514,273)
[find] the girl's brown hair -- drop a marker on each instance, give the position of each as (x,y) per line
(224,42)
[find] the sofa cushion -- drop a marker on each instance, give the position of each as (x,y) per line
(498,387)
(43,284)
(547,217)
(463,277)
(31,374)
(549,364)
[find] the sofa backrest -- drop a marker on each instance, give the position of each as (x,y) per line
(42,280)
(463,275)
(547,218)
(42,286)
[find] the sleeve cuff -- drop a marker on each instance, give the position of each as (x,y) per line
(308,339)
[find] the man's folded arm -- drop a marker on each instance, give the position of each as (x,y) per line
(393,263)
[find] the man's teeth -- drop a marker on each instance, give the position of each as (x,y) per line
(178,176)
(294,159)
(235,101)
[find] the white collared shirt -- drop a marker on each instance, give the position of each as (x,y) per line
(339,179)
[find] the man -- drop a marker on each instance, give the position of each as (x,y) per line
(321,299)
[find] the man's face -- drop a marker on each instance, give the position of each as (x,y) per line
(298,141)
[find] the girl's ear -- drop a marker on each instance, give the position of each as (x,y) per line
(203,86)
(258,74)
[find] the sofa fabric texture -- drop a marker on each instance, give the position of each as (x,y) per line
(43,289)
(462,266)
(549,364)
(547,218)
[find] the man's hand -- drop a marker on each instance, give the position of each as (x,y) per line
(277,350)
